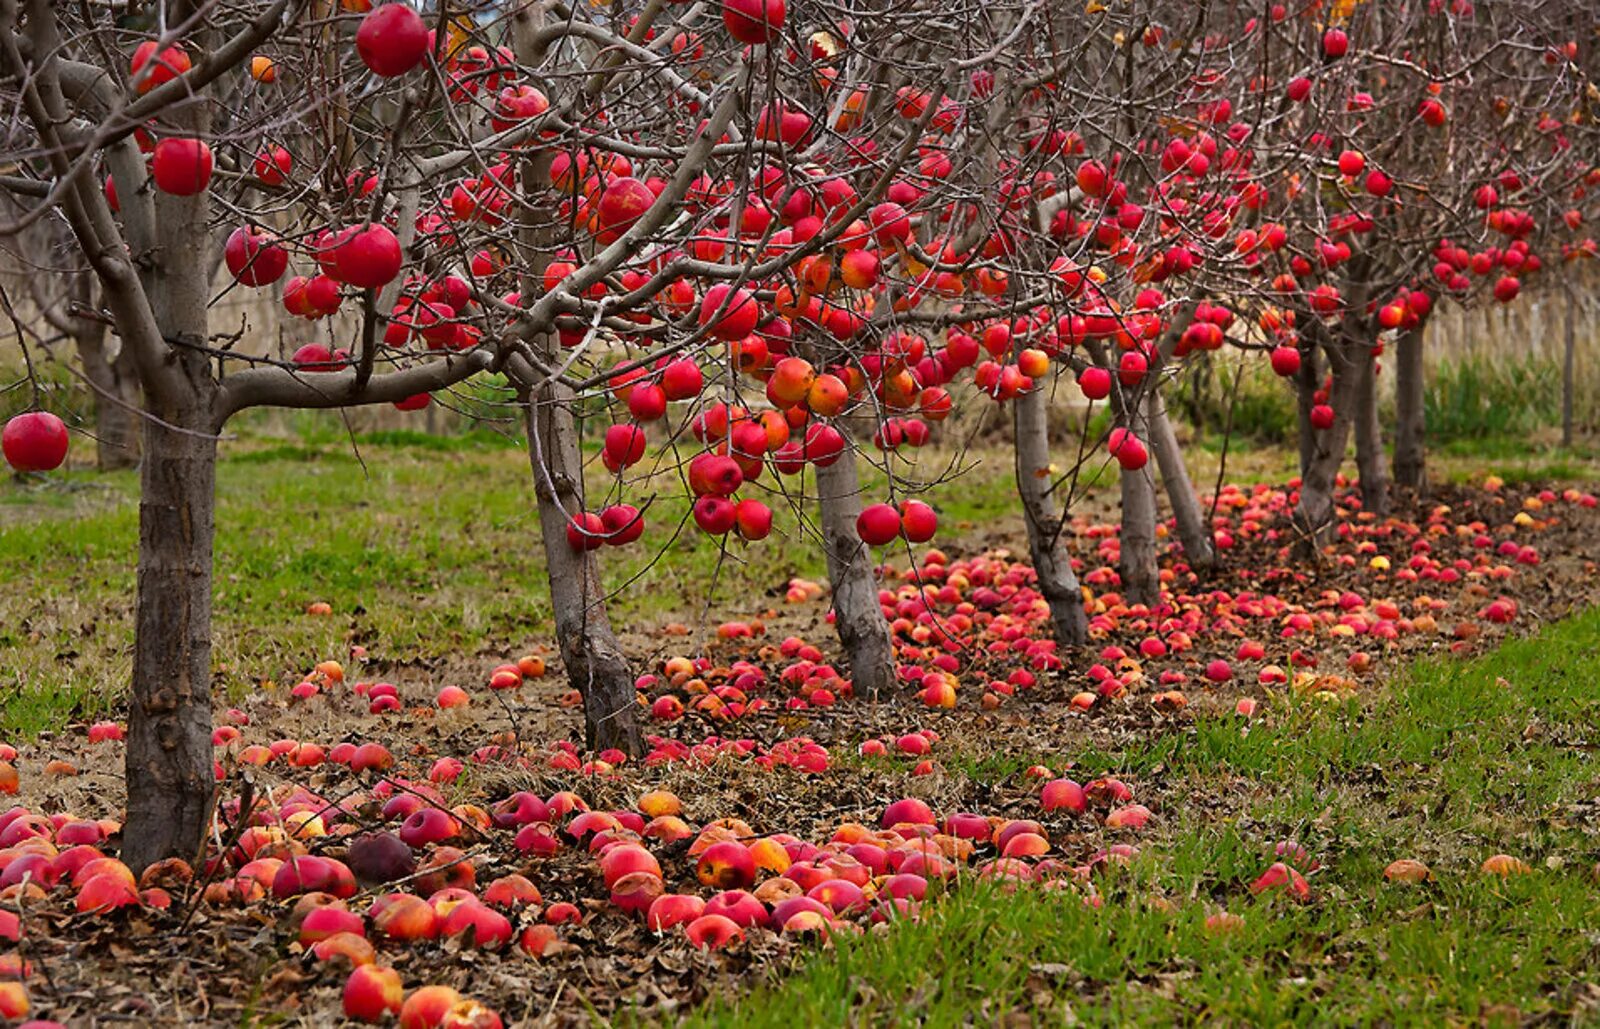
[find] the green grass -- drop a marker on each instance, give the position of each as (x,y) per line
(426,547)
(1459,761)
(1473,397)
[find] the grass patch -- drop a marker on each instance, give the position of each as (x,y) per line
(427,548)
(1458,761)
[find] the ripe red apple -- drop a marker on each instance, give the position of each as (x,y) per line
(181,166)
(1063,793)
(167,65)
(878,524)
(35,441)
(1092,178)
(623,202)
(586,531)
(624,524)
(910,810)
(1127,448)
(255,258)
(392,40)
(368,258)
(753,519)
(681,379)
(428,825)
(726,866)
(741,315)
(753,21)
(328,920)
(624,446)
(918,522)
(715,516)
(428,1006)
(1095,382)
(647,402)
(272,166)
(371,992)
(488,928)
(405,917)
(672,909)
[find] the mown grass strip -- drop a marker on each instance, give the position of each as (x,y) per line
(1458,760)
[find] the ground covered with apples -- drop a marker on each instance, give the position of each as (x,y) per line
(1354,788)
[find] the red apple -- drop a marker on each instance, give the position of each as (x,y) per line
(392,40)
(35,442)
(753,21)
(181,166)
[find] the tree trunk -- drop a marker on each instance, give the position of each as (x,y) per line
(858,617)
(595,664)
(1371,462)
(1198,548)
(116,398)
(1313,515)
(1141,577)
(1307,380)
(171,784)
(1051,562)
(1410,464)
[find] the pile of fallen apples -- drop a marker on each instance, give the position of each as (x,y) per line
(387,853)
(389,866)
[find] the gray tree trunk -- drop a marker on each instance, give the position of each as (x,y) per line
(1314,513)
(1307,380)
(1410,464)
(171,784)
(1199,550)
(593,657)
(858,617)
(1137,566)
(1051,562)
(1348,350)
(1371,462)
(590,651)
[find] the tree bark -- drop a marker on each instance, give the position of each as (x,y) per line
(595,664)
(858,617)
(1371,462)
(1136,565)
(1307,380)
(1051,562)
(1199,550)
(1313,516)
(1141,577)
(1348,350)
(1410,464)
(171,784)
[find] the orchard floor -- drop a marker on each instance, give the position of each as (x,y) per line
(429,561)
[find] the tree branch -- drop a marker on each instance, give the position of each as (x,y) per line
(280,387)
